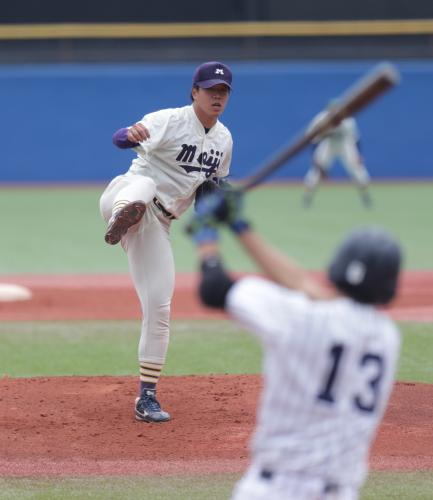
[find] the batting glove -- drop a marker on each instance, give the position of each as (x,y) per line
(230,211)
(222,206)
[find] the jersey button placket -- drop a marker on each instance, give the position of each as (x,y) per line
(203,149)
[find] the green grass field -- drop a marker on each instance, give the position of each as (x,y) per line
(89,348)
(47,230)
(60,230)
(380,486)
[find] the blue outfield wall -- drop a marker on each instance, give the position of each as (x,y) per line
(57,120)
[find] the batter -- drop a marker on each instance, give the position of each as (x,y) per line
(177,151)
(340,142)
(329,357)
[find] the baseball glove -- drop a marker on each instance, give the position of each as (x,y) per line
(209,187)
(222,205)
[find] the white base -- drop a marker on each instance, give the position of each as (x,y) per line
(10,292)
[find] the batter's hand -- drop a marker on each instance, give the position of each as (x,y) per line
(222,206)
(138,133)
(225,205)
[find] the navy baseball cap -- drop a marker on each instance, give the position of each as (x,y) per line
(212,73)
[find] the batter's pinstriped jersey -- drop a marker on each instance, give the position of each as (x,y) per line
(328,373)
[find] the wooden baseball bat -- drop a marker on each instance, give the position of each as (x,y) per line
(381,79)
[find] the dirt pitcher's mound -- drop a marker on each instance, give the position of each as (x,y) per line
(76,425)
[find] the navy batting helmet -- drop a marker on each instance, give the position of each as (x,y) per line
(366,266)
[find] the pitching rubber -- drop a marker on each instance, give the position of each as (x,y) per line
(11,293)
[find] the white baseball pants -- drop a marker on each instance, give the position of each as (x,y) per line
(151,262)
(326,153)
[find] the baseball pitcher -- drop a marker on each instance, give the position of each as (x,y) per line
(178,151)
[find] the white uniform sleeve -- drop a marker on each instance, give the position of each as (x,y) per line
(266,309)
(224,168)
(316,119)
(313,123)
(157,124)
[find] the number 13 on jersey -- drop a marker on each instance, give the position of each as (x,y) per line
(367,399)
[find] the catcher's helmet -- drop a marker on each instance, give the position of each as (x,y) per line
(366,266)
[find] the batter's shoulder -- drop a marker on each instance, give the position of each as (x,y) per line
(389,327)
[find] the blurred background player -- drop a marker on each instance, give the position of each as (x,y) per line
(178,152)
(329,355)
(341,142)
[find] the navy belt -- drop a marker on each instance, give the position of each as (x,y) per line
(167,214)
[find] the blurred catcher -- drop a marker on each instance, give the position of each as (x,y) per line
(329,354)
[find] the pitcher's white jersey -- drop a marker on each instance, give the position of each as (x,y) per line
(328,373)
(179,155)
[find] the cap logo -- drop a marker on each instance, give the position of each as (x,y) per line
(355,272)
(212,73)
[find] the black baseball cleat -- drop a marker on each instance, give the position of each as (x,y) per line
(125,218)
(148,409)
